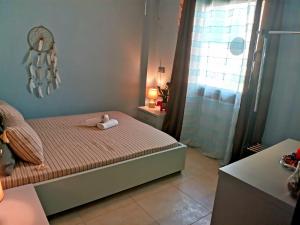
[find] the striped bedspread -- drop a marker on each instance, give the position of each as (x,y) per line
(70,147)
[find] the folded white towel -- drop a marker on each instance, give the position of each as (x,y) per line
(93,121)
(108,124)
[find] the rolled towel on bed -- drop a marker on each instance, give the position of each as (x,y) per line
(110,123)
(93,121)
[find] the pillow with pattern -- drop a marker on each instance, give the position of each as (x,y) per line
(25,142)
(9,114)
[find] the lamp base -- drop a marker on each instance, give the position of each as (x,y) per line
(151,105)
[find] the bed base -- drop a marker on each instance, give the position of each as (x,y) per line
(64,193)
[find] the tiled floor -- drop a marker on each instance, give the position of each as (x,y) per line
(180,199)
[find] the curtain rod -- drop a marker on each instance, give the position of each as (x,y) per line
(279,32)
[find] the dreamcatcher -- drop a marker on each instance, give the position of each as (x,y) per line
(41,62)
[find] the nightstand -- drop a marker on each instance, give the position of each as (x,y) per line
(22,206)
(151,116)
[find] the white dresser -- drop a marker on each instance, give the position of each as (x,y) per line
(253,191)
(151,116)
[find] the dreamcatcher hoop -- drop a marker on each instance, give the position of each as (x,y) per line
(36,34)
(42,62)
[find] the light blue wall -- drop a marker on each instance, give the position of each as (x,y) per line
(284,113)
(99,48)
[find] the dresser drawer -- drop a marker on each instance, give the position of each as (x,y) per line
(150,119)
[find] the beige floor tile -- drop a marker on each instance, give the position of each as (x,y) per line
(204,221)
(56,222)
(186,217)
(208,180)
(171,206)
(174,177)
(149,189)
(200,190)
(70,217)
(132,214)
(102,206)
(197,166)
(208,201)
(193,171)
(202,183)
(194,157)
(200,175)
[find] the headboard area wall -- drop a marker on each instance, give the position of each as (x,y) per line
(99,47)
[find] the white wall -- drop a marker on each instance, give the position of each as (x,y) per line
(162,46)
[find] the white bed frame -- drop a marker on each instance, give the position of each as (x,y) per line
(66,192)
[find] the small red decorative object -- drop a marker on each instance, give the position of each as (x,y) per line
(162,105)
(298,154)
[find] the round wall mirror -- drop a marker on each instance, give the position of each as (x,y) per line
(237,46)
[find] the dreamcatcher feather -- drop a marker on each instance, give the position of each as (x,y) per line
(42,62)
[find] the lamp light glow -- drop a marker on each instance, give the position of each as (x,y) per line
(152,96)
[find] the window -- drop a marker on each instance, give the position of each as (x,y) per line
(213,62)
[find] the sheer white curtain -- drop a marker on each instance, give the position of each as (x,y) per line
(221,36)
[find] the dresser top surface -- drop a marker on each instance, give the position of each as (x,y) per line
(264,172)
(153,111)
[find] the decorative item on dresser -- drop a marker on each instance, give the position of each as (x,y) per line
(22,206)
(152,96)
(152,116)
(164,94)
(294,183)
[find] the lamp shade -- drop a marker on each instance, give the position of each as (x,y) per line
(1,192)
(152,93)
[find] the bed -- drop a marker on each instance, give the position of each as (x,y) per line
(83,164)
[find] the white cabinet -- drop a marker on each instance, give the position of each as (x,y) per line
(254,190)
(151,116)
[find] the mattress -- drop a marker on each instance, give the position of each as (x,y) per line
(70,147)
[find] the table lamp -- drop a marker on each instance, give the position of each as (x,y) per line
(152,96)
(1,192)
